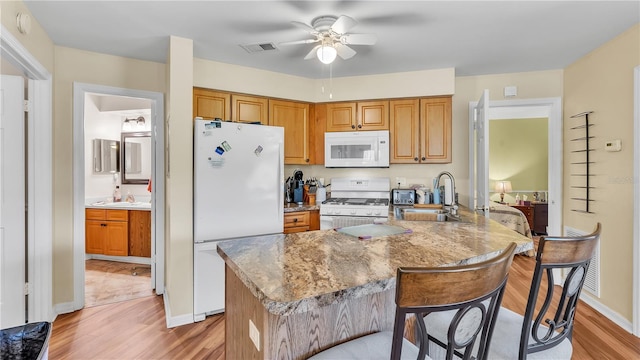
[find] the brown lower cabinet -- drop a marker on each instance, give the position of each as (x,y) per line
(300,221)
(118,232)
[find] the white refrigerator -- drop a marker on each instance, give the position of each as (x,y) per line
(238,191)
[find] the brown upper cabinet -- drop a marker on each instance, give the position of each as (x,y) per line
(294,118)
(210,104)
(358,116)
(420,130)
(250,109)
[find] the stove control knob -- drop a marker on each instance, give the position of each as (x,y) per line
(353,212)
(337,212)
(369,213)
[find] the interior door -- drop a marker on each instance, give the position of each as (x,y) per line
(12,202)
(482,153)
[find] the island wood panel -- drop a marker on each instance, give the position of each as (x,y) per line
(314,220)
(294,118)
(435,128)
(305,333)
(211,104)
(372,115)
(250,109)
(404,131)
(140,233)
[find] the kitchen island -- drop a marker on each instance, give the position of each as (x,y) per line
(298,294)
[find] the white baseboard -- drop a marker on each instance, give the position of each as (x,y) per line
(608,313)
(173,321)
(126,259)
(63,308)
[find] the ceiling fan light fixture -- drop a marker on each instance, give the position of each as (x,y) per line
(326,54)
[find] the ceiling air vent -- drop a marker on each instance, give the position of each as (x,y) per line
(255,48)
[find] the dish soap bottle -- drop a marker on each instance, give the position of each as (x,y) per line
(117,197)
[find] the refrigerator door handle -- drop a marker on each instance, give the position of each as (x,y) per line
(280,180)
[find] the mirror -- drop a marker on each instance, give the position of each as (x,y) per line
(105,156)
(136,158)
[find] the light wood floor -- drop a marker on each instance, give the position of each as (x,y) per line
(107,282)
(136,329)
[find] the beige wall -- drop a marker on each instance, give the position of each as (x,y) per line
(518,152)
(602,82)
(37,42)
(74,65)
(179,177)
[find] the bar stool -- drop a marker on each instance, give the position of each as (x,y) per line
(473,292)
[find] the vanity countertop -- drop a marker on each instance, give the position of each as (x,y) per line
(142,203)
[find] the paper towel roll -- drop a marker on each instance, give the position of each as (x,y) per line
(321,195)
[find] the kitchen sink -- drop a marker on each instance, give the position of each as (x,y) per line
(414,214)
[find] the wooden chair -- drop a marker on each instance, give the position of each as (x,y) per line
(474,292)
(537,335)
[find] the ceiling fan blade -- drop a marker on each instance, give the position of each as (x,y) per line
(344,51)
(308,41)
(312,53)
(359,39)
(343,24)
(304,27)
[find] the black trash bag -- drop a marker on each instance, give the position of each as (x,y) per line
(25,342)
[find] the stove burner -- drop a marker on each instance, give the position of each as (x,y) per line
(357,201)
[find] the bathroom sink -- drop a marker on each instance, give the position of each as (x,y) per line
(123,204)
(413,214)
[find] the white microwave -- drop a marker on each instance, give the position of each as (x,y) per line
(356,149)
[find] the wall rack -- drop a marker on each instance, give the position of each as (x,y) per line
(583,178)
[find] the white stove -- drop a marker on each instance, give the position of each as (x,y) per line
(355,201)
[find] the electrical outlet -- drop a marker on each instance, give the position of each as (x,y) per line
(254,334)
(401,181)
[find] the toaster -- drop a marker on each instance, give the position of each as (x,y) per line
(403,196)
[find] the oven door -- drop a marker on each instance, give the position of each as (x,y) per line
(328,222)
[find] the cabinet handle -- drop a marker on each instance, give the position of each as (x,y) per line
(295,220)
(424,158)
(103,224)
(359,126)
(415,159)
(307,160)
(353,126)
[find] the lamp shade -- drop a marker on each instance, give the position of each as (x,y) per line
(326,54)
(503,187)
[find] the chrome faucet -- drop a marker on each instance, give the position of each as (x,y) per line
(454,203)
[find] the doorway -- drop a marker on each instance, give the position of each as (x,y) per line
(636,205)
(118,253)
(38,178)
(550,108)
(94,192)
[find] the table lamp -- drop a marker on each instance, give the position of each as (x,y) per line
(503,187)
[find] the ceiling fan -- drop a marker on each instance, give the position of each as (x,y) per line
(331,33)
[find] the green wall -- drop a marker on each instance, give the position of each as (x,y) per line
(518,152)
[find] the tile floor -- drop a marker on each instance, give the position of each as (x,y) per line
(108,282)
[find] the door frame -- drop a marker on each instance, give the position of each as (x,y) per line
(554,106)
(636,203)
(40,179)
(157,193)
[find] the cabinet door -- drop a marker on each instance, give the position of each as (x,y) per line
(210,104)
(373,115)
(404,131)
(250,109)
(94,236)
(140,233)
(294,118)
(117,238)
(341,116)
(435,129)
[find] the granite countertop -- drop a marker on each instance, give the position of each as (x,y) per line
(293,207)
(299,272)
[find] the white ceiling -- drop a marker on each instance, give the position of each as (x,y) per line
(474,37)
